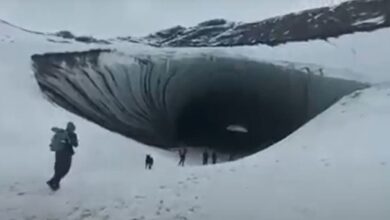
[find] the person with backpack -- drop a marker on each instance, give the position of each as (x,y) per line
(62,144)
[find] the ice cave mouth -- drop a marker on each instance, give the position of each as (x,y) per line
(170,99)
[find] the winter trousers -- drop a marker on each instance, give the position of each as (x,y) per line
(61,166)
(181,161)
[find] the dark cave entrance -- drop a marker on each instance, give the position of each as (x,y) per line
(204,120)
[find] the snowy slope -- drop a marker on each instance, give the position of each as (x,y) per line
(335,167)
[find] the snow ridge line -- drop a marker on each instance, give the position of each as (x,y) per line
(314,24)
(319,23)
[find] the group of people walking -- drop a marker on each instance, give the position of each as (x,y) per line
(205,157)
(182,158)
(65,140)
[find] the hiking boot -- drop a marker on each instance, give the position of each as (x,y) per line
(53,186)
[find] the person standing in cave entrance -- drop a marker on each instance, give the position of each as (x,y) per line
(214,157)
(182,155)
(205,157)
(149,162)
(62,144)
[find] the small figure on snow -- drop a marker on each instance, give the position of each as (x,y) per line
(182,155)
(62,144)
(149,162)
(205,157)
(214,157)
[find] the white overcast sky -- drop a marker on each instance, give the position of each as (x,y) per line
(109,18)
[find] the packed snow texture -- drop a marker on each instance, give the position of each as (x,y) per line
(335,167)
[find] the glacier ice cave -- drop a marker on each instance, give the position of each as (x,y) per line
(170,99)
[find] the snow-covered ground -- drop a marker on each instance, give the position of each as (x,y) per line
(335,167)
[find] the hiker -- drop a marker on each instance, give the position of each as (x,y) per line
(149,162)
(62,144)
(182,155)
(214,157)
(205,157)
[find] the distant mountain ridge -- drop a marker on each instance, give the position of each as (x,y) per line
(313,24)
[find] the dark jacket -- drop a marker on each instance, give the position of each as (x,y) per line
(71,142)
